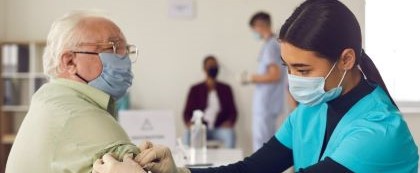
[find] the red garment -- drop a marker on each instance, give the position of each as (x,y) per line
(197,100)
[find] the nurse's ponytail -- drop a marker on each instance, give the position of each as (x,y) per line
(372,73)
(328,27)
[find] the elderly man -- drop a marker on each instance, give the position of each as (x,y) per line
(71,120)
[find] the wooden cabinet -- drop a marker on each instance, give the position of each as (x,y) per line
(21,75)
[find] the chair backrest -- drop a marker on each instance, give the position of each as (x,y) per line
(157,126)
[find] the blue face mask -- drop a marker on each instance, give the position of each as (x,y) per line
(257,36)
(116,76)
(310,90)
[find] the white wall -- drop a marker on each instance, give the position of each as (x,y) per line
(413,121)
(2,19)
(171,51)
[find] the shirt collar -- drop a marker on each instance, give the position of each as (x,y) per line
(100,98)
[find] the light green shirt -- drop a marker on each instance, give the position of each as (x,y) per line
(68,126)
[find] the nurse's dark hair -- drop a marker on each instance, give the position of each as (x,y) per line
(328,27)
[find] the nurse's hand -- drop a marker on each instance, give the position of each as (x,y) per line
(246,78)
(145,145)
(109,165)
(158,159)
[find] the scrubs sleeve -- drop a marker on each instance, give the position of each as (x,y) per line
(271,55)
(86,138)
(370,146)
(285,133)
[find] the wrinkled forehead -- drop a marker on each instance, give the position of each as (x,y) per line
(98,30)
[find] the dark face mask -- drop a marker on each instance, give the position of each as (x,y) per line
(212,72)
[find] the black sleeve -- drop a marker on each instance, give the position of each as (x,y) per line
(273,157)
(327,165)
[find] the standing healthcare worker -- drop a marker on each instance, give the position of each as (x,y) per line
(346,120)
(270,82)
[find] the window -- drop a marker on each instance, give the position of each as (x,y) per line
(393,43)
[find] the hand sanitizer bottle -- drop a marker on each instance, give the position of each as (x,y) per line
(198,143)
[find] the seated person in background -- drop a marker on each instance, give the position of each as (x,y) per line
(215,99)
(71,119)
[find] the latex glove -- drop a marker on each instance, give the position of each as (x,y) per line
(145,145)
(159,159)
(246,78)
(109,165)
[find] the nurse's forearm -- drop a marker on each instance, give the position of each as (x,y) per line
(272,75)
(273,157)
(263,79)
(327,165)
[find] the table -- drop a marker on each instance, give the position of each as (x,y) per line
(217,157)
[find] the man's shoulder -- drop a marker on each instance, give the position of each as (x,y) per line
(198,85)
(54,99)
(51,89)
(223,85)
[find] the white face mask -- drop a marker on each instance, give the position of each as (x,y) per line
(310,90)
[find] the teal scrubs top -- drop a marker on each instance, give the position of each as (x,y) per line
(371,137)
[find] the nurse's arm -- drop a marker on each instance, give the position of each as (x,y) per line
(327,165)
(273,75)
(273,157)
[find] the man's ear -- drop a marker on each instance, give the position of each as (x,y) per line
(67,63)
(348,59)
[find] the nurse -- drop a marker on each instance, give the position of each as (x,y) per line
(270,83)
(346,120)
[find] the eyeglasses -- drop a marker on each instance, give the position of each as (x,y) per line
(129,50)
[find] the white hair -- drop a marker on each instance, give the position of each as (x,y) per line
(62,36)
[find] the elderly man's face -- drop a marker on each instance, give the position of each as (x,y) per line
(95,30)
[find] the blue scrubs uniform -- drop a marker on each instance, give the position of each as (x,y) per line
(371,137)
(269,98)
